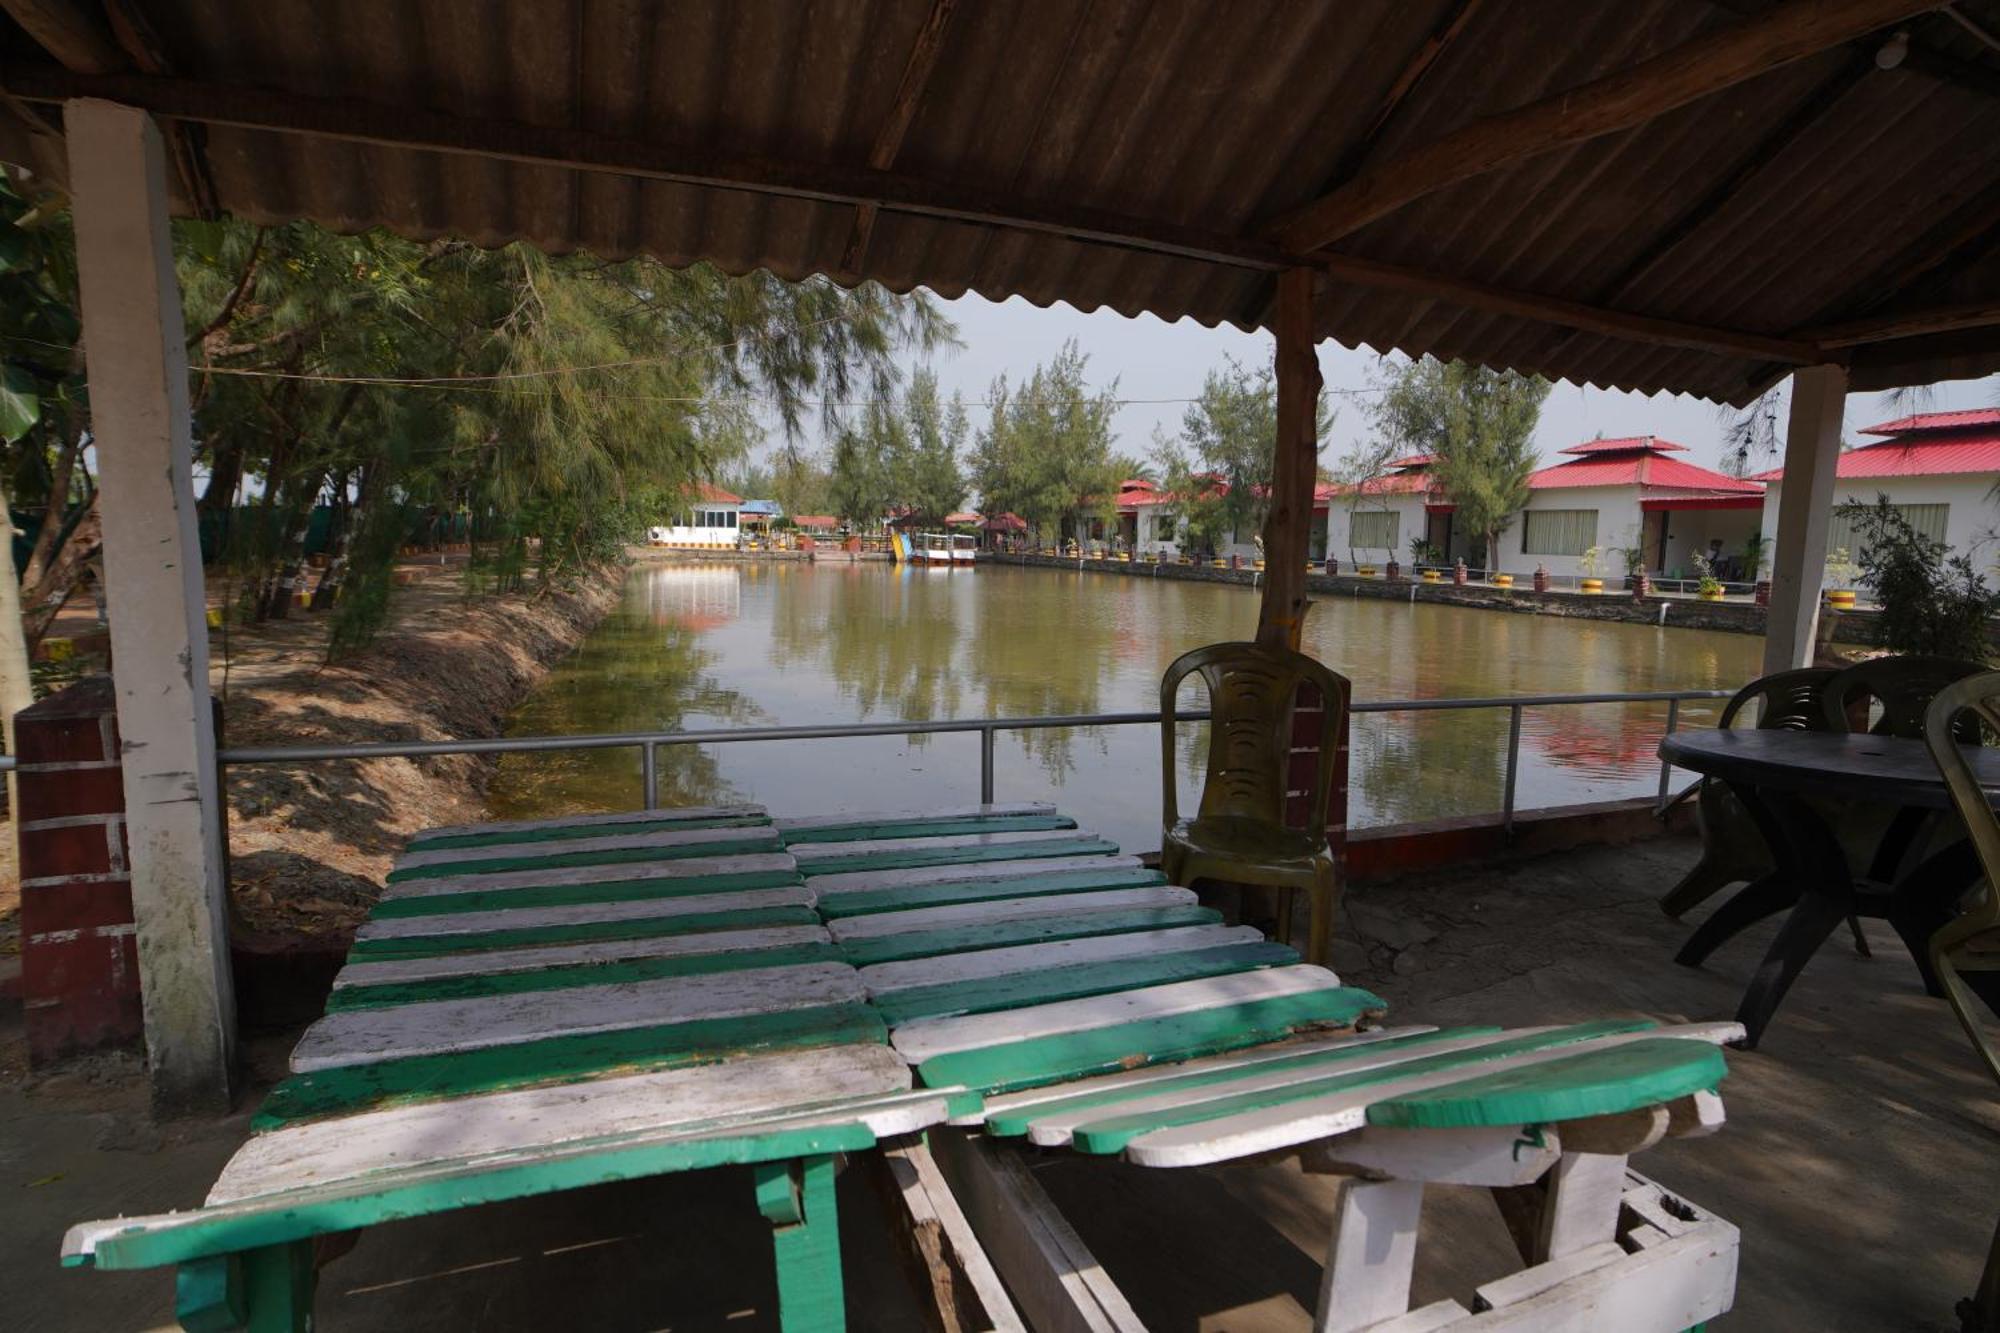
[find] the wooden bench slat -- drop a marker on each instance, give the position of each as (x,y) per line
(656,821)
(608,850)
(883,979)
(891,829)
(530,918)
(871,881)
(588,821)
(789,824)
(997,910)
(613,928)
(1029,930)
(686,868)
(443,1027)
(499,962)
(1078,982)
(561,895)
(1607,1082)
(909,853)
(981,890)
(568,1058)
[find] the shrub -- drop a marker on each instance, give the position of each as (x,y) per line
(1931,603)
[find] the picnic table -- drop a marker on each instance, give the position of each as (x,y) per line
(545,1005)
(1793,783)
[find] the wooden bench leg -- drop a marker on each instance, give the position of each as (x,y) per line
(796,1196)
(267,1290)
(1374,1250)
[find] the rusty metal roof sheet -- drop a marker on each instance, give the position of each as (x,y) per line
(1808,196)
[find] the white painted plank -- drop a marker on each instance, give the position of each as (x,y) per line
(1530,1282)
(1489,1157)
(1162,1077)
(589,821)
(982,964)
(1425,1319)
(863,881)
(928,1038)
(498,962)
(1057,1128)
(750,863)
(1279,1127)
(999,810)
(525,1120)
(531,918)
(972,1279)
(815,853)
(665,840)
(1008,909)
(1582,1206)
(436,1027)
(1684,1282)
(1371,1256)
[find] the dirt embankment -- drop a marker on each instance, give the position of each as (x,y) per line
(310,843)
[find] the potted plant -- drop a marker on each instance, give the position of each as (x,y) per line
(1587,563)
(1709,589)
(1840,574)
(1635,565)
(1424,558)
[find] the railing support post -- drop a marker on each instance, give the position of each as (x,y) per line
(1513,768)
(649,774)
(986,765)
(1666,767)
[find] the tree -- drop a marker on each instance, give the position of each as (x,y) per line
(1931,603)
(927,477)
(1046,451)
(1231,430)
(1194,502)
(1479,424)
(862,487)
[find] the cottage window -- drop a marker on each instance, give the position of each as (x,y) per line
(1927,519)
(1558,531)
(1375,528)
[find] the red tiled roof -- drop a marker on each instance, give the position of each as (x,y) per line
(965,518)
(1008,522)
(816,520)
(1413,460)
(1136,484)
(1641,468)
(1930,421)
(1975,452)
(1626,444)
(716,495)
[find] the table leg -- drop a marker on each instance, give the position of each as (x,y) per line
(1826,898)
(797,1199)
(1927,898)
(265,1290)
(1751,904)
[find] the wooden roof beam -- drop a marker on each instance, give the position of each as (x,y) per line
(896,125)
(1792,31)
(1908,324)
(75,34)
(584,150)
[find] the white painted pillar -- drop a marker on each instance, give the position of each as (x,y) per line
(1805,505)
(135,346)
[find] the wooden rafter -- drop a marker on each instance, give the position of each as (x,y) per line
(1700,68)
(896,125)
(1907,324)
(414,128)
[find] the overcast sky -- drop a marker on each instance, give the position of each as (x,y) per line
(1149,359)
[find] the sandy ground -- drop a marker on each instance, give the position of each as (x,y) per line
(1859,1160)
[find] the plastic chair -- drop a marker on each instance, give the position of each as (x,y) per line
(1732,850)
(1970,943)
(1239,835)
(1903,686)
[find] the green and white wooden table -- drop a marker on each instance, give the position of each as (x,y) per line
(1104,1012)
(543,1006)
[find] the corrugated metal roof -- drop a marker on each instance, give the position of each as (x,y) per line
(1932,421)
(1625,444)
(1179,112)
(1915,458)
(1643,469)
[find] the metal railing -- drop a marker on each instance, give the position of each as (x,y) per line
(648,743)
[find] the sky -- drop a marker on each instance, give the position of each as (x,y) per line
(1150,359)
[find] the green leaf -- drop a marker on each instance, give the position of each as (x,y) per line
(20,404)
(16,250)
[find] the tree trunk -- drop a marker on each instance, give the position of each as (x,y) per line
(291,553)
(339,538)
(54,512)
(46,597)
(16,690)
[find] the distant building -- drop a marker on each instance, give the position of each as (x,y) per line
(713,520)
(1630,492)
(1148,521)
(1938,468)
(757,516)
(1377,520)
(816,525)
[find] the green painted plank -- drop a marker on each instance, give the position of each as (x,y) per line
(1074,983)
(429,946)
(1109,1050)
(614,856)
(666,823)
(1030,930)
(579,974)
(234,1230)
(1112,1133)
(1013,1124)
(807,1248)
(562,895)
(952,856)
(1623,1078)
(869,901)
(914,828)
(354,1088)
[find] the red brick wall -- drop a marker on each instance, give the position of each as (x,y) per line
(79,955)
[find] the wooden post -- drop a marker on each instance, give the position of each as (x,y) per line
(1295,467)
(136,345)
(1798,556)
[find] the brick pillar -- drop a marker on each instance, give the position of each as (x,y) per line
(79,953)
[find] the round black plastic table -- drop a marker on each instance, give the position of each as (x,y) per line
(1771,772)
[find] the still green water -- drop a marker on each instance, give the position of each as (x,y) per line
(713,645)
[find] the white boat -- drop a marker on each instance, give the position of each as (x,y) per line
(942,549)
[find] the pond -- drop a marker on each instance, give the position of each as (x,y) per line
(768,644)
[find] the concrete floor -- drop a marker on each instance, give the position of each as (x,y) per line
(1861,1158)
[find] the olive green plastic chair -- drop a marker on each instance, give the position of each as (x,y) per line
(1904,687)
(1732,850)
(1239,834)
(1969,945)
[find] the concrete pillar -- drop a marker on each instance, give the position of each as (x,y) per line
(136,349)
(1805,504)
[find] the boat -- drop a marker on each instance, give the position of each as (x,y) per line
(941,549)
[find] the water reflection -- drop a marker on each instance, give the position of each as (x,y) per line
(709,645)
